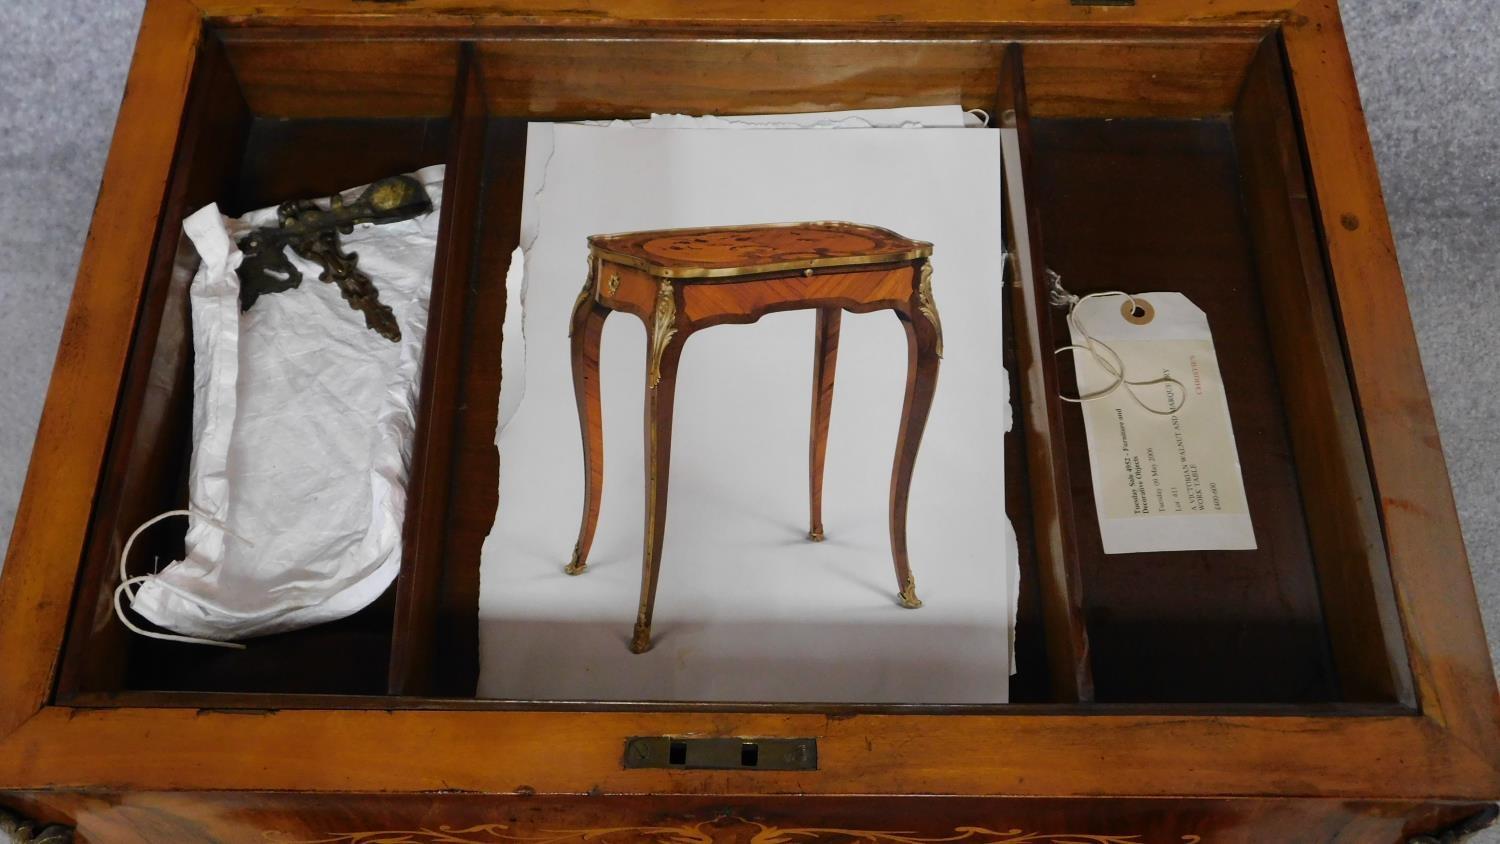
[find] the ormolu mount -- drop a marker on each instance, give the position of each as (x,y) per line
(313,232)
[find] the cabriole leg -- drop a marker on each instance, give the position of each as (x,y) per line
(659,401)
(662,355)
(924,350)
(825,357)
(587,327)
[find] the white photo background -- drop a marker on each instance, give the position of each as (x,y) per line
(747,609)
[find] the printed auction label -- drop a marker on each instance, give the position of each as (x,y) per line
(1162,481)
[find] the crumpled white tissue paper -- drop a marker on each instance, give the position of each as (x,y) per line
(302,423)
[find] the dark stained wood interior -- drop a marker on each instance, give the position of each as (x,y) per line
(1154,205)
(413,637)
(324,76)
(147,465)
(1359,604)
(1153,78)
(241,160)
(561,75)
(1177,190)
(286,159)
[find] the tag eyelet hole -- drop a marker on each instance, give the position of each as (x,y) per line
(1137,311)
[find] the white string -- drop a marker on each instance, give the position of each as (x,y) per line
(981,114)
(126,581)
(1098,349)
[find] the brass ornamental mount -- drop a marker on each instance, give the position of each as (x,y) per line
(927,306)
(312,231)
(663,328)
(585,293)
(908,594)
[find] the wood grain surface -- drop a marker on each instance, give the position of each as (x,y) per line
(825,367)
(52,518)
(266,818)
(1262,199)
(1449,655)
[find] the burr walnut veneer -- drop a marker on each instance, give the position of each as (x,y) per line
(679,281)
(1333,684)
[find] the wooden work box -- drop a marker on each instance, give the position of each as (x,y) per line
(1333,685)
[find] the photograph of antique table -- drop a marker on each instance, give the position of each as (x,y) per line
(681,280)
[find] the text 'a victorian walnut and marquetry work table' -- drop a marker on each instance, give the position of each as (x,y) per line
(679,281)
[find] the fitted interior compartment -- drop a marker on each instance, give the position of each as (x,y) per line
(1215,205)
(1153,205)
(242,159)
(1162,161)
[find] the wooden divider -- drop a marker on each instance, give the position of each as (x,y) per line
(1051,531)
(430,488)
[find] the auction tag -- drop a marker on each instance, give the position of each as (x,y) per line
(1161,482)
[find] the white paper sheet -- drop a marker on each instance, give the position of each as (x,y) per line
(747,608)
(912,117)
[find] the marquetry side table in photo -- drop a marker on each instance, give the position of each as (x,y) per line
(681,280)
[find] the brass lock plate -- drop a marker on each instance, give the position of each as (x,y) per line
(722,754)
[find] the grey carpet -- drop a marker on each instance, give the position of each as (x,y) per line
(62,71)
(1429,73)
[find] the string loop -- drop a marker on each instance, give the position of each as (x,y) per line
(1104,355)
(127,582)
